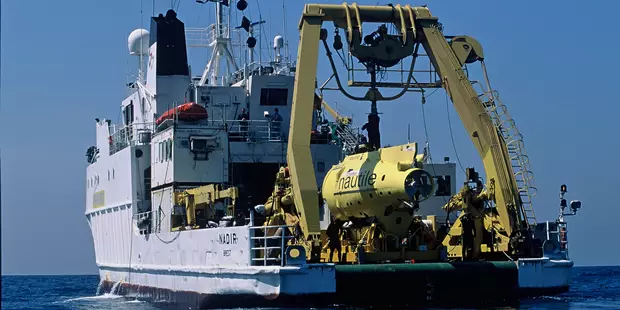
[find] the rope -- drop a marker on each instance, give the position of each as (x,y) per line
(161,200)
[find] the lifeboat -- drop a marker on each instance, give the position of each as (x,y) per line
(187,112)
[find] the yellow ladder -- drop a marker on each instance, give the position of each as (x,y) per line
(516,149)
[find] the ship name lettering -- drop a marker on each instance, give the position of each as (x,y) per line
(364,179)
(228,238)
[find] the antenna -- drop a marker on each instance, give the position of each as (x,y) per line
(140,73)
(248,26)
(408,133)
(285,34)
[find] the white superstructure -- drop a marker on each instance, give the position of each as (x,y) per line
(136,167)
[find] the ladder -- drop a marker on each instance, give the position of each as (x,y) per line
(507,128)
(348,137)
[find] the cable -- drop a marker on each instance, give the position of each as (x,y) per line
(458,160)
(433,92)
(430,157)
(161,200)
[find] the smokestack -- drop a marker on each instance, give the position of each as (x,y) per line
(171,52)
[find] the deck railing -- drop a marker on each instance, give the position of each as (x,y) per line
(268,131)
(246,131)
(256,130)
(268,250)
(130,135)
(556,234)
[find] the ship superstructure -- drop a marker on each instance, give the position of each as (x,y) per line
(177,192)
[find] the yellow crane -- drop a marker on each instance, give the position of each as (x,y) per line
(321,104)
(508,221)
(200,203)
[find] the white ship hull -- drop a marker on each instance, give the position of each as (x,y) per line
(214,268)
(543,276)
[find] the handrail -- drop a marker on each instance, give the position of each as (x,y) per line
(257,130)
(128,135)
(263,248)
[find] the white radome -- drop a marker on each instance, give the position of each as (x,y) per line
(278,42)
(138,42)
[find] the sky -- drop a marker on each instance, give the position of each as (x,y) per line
(64,63)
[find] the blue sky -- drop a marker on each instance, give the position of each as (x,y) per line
(64,63)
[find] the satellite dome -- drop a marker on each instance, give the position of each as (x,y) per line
(278,41)
(138,42)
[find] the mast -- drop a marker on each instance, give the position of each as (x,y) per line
(220,45)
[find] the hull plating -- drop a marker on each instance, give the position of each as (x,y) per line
(213,267)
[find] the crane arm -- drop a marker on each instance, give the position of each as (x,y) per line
(298,157)
(448,60)
(344,120)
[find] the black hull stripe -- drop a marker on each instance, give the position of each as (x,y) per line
(211,301)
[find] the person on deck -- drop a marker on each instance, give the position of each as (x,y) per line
(333,235)
(243,122)
(372,127)
(276,121)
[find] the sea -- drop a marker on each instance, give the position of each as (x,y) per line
(592,288)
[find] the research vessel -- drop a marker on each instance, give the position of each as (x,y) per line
(234,188)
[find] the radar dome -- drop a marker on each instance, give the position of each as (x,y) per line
(138,42)
(278,41)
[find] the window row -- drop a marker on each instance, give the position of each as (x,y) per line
(164,150)
(94,180)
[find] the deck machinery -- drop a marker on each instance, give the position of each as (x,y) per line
(375,192)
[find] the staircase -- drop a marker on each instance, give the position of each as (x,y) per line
(348,137)
(516,149)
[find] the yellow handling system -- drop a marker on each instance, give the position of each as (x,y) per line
(204,199)
(506,223)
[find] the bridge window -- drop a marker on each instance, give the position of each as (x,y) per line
(274,96)
(165,146)
(128,113)
(161,151)
(169,149)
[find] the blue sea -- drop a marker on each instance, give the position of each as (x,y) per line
(592,288)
